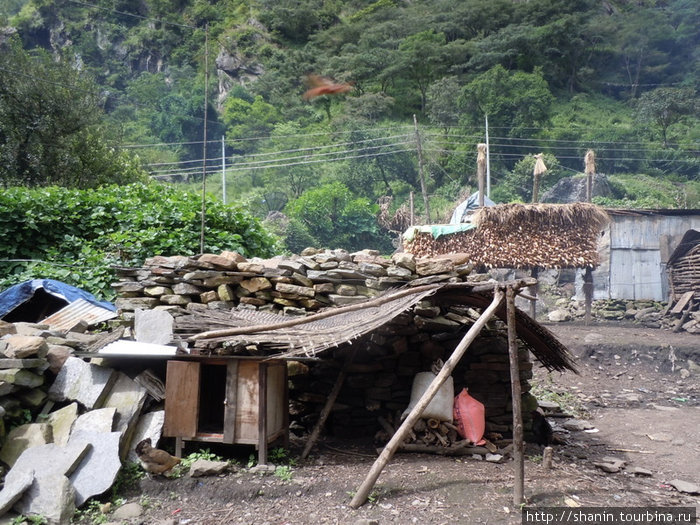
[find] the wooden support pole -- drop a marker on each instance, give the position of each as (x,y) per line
(534,289)
(326,410)
(481,171)
(398,438)
(518,460)
(588,294)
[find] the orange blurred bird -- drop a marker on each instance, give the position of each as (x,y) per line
(154,460)
(324,86)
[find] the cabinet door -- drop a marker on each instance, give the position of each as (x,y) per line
(181,399)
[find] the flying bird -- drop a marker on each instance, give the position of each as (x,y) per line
(324,86)
(154,460)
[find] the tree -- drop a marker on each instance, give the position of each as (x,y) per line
(336,220)
(50,130)
(514,101)
(663,107)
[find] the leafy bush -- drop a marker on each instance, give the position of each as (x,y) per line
(76,236)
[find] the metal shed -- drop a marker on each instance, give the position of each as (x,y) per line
(634,249)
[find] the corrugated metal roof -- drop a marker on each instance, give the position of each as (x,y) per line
(80,310)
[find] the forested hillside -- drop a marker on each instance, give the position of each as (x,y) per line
(100,91)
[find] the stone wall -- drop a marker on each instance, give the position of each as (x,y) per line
(379,382)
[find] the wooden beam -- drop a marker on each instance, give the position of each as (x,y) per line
(398,438)
(518,488)
(588,294)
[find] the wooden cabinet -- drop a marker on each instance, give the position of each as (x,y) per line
(226,400)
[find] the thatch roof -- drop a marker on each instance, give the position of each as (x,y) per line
(525,236)
(279,337)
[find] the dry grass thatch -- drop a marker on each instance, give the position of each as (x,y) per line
(575,215)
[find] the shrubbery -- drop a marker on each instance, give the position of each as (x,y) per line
(75,236)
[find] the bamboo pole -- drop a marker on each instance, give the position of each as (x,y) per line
(518,487)
(534,290)
(588,294)
(398,438)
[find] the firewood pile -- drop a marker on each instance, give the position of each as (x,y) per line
(523,236)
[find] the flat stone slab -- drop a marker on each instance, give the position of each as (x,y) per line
(685,486)
(100,467)
(149,425)
(83,382)
(99,420)
(61,422)
(22,438)
(153,326)
(52,497)
(205,467)
(14,489)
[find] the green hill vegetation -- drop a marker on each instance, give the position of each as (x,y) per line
(99,92)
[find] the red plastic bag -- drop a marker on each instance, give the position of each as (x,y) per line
(469,417)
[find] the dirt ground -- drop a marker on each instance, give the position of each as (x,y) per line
(638,388)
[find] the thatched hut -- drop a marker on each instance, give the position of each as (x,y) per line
(523,236)
(684,266)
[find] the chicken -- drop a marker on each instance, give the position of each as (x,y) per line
(154,460)
(324,86)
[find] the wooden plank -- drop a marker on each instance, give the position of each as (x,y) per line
(181,399)
(682,302)
(519,484)
(401,433)
(231,401)
(277,409)
(247,402)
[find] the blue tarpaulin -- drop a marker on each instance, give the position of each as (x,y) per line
(20,293)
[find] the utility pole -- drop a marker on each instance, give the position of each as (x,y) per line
(223,167)
(204,144)
(488,162)
(420,171)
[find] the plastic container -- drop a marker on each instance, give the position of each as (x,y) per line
(440,407)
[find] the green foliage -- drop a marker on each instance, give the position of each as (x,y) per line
(91,514)
(205,454)
(283,472)
(50,126)
(127,478)
(79,234)
(335,220)
(643,191)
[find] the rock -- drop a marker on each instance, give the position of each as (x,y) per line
(128,511)
(685,486)
(302,291)
(22,363)
(23,346)
(57,356)
(61,422)
(14,488)
(404,260)
(204,467)
(7,328)
(23,437)
(639,471)
(684,373)
(83,382)
(610,467)
(559,316)
(425,267)
(149,425)
(341,300)
(100,420)
(576,425)
(21,377)
(51,495)
(494,458)
(256,284)
(128,397)
(153,326)
(53,498)
(346,290)
(228,263)
(100,467)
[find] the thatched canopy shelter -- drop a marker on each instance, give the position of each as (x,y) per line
(280,337)
(523,236)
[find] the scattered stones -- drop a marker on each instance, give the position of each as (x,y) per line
(128,511)
(205,467)
(685,486)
